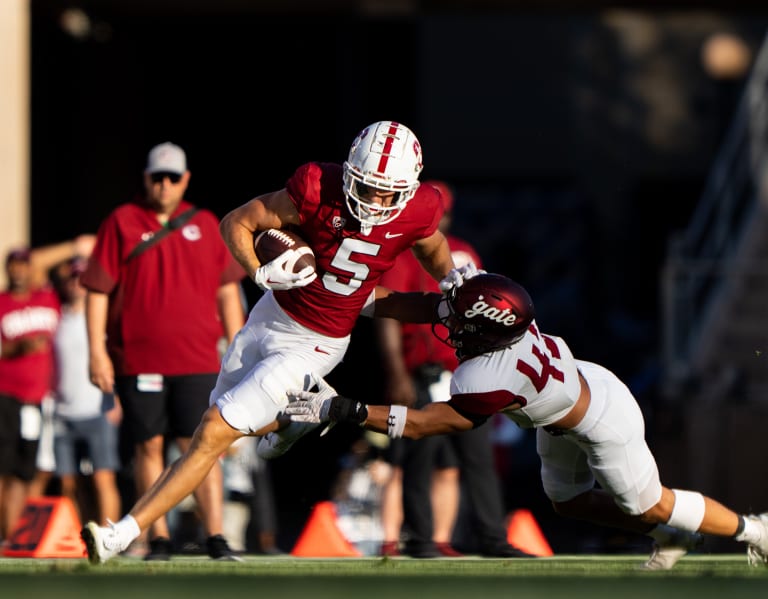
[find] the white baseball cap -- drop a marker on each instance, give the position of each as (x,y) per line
(166,158)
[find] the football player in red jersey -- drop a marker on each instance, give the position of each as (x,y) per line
(356,218)
(589,427)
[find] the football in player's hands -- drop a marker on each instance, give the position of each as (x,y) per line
(272,243)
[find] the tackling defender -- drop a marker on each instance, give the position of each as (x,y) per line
(357,219)
(589,426)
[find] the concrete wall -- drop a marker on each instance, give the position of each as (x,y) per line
(14,123)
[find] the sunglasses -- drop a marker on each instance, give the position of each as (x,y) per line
(159,177)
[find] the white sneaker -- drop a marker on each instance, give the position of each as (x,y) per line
(667,553)
(277,443)
(101,542)
(757,553)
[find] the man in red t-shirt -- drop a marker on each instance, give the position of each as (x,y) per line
(154,321)
(357,218)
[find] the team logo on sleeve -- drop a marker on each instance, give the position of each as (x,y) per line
(338,222)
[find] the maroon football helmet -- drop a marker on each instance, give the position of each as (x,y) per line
(487,313)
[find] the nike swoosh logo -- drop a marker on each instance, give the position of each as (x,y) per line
(389,235)
(321,351)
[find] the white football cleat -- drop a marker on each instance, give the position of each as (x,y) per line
(757,553)
(275,444)
(667,553)
(101,542)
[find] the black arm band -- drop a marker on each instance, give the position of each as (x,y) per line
(344,409)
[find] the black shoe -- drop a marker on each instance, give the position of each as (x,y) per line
(218,549)
(504,550)
(159,550)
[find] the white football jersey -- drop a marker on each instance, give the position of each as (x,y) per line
(535,382)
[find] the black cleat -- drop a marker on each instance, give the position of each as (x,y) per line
(159,550)
(219,549)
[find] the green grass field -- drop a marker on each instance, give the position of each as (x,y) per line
(700,576)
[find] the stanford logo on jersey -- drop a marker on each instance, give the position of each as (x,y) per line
(480,308)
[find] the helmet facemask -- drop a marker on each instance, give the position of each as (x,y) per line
(465,338)
(445,319)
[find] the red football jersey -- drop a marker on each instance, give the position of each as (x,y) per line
(420,346)
(163,314)
(28,378)
(349,264)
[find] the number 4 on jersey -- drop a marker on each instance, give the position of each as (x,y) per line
(539,378)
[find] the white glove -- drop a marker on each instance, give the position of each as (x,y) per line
(457,276)
(311,406)
(277,274)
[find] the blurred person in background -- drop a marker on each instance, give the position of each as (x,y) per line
(29,317)
(426,481)
(84,416)
(162,290)
(358,491)
(250,513)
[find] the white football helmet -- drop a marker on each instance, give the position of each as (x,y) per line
(387,156)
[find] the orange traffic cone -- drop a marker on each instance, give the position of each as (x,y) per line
(524,533)
(48,527)
(321,537)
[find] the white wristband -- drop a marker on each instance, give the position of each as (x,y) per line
(396,421)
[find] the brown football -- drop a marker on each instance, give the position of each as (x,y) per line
(271,243)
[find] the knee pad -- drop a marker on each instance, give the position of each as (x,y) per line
(688,512)
(244,419)
(235,416)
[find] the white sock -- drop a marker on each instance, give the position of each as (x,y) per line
(127,529)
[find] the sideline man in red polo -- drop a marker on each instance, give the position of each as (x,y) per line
(154,321)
